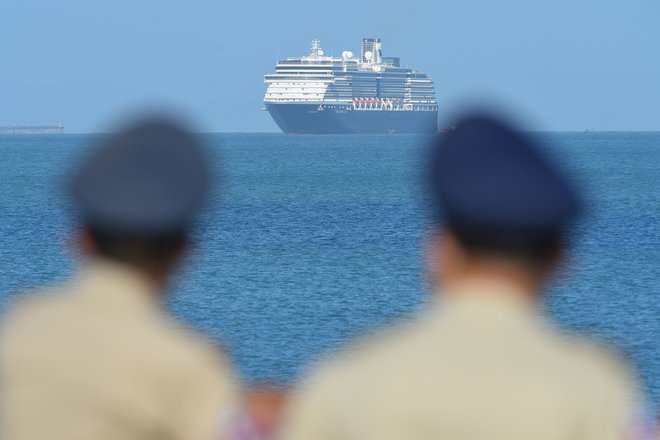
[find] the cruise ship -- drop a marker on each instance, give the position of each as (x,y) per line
(368,93)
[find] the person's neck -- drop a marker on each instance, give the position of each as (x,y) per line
(521,282)
(156,280)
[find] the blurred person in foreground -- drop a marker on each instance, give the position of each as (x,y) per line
(483,363)
(98,357)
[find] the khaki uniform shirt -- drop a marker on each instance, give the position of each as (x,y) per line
(100,360)
(482,366)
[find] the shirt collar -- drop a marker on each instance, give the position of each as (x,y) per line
(489,303)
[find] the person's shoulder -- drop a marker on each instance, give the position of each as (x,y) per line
(369,358)
(189,350)
(38,305)
(595,365)
(587,352)
(602,381)
(200,367)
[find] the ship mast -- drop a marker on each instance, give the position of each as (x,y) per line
(316,51)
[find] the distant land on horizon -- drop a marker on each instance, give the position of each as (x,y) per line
(32,129)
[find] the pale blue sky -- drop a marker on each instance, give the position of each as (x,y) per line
(562,64)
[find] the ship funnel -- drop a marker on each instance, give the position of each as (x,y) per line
(371,50)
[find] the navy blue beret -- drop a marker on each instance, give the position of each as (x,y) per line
(488,177)
(147,179)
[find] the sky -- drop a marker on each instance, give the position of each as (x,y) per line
(559,65)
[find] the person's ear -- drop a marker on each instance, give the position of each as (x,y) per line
(183,244)
(432,258)
(81,242)
(445,257)
(179,251)
(556,261)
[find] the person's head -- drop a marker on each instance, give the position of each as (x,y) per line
(156,255)
(456,254)
(502,210)
(138,194)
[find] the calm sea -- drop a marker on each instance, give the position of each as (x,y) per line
(312,239)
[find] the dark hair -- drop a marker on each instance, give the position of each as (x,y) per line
(536,251)
(153,252)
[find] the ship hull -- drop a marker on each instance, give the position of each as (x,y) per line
(310,119)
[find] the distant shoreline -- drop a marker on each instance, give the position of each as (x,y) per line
(31,129)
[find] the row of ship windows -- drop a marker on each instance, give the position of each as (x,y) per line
(332,95)
(342,89)
(415,105)
(340,68)
(415,98)
(378,92)
(409,106)
(365,93)
(337,96)
(352,81)
(321,86)
(372,89)
(341,74)
(361,89)
(343,81)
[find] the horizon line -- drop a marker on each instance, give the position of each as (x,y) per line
(586,131)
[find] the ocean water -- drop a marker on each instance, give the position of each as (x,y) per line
(310,240)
